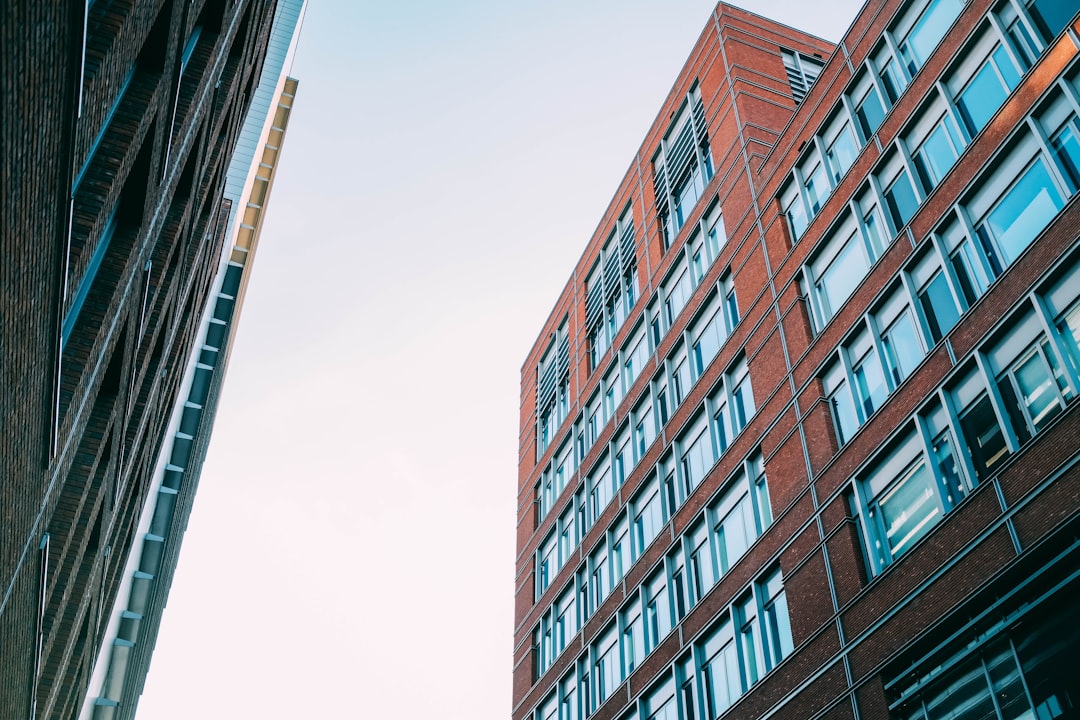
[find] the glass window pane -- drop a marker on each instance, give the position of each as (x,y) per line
(1023,212)
(1038,390)
(936,156)
(841,154)
(844,417)
(1067,151)
(947,468)
(901,201)
(842,276)
(965,696)
(796,213)
(870,112)
(984,437)
(1051,16)
(910,509)
(1070,330)
(928,31)
(987,90)
(817,188)
(903,351)
(870,382)
(938,306)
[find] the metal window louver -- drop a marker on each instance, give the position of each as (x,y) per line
(802,71)
(594,302)
(626,246)
(611,274)
(681,155)
(697,116)
(545,387)
(660,187)
(562,359)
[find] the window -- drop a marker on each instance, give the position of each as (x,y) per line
(624,456)
(739,515)
(681,381)
(935,142)
(553,381)
(1006,210)
(633,637)
(613,393)
(566,621)
(897,191)
(568,531)
(901,341)
(841,148)
(982,80)
(1019,215)
(542,647)
(890,72)
(732,405)
(979,424)
(546,564)
(815,184)
(792,207)
(802,71)
(619,541)
(611,288)
(635,358)
(873,362)
(599,577)
(601,488)
(936,299)
(657,609)
(700,560)
(866,102)
(1009,671)
(926,32)
(776,623)
(682,167)
(837,269)
(1031,376)
(763,630)
(905,499)
(676,291)
(1058,119)
(648,512)
(712,327)
(914,35)
(697,456)
(607,673)
(841,402)
(660,703)
(677,581)
(870,387)
(720,669)
(644,427)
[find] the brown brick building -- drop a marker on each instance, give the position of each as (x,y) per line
(128,128)
(800,436)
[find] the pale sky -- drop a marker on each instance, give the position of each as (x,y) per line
(351,550)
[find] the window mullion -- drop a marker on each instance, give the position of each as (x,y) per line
(1047,154)
(909,168)
(877,345)
(997,403)
(1003,39)
(928,453)
(898,59)
(1056,344)
(980,254)
(849,378)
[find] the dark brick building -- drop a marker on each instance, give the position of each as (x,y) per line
(800,436)
(119,282)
